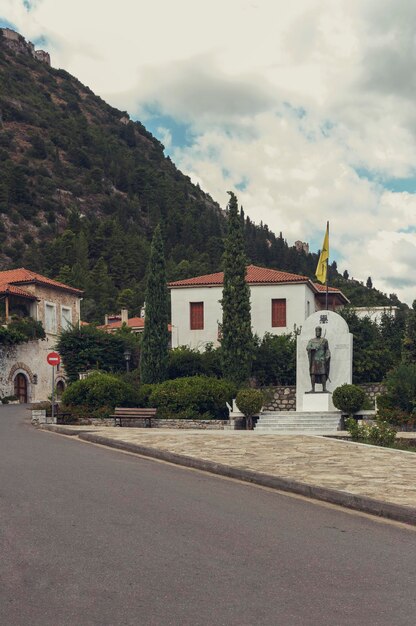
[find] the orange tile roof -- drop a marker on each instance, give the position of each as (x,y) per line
(16,291)
(322,288)
(255,275)
(258,276)
(22,276)
(133,322)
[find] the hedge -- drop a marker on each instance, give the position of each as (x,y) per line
(192,397)
(100,390)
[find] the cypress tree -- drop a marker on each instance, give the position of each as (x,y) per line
(154,351)
(237,338)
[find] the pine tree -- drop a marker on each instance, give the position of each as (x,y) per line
(101,290)
(237,339)
(80,267)
(154,351)
(369,283)
(409,339)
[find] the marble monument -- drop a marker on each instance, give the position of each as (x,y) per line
(323,362)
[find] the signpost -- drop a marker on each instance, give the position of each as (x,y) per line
(53,359)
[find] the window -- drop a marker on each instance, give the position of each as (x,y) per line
(197,315)
(66,317)
(279,312)
(50,317)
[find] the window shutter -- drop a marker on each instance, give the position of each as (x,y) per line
(279,313)
(197,315)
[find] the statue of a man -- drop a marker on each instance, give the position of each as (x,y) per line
(319,359)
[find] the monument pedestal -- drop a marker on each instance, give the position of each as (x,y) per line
(335,330)
(317,402)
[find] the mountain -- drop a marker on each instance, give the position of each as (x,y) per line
(82,188)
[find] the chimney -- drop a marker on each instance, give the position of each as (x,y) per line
(106,319)
(124,316)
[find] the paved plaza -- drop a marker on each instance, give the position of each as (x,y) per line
(384,475)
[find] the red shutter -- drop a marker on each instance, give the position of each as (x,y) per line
(279,313)
(197,315)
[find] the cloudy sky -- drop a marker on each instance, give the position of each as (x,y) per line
(305,109)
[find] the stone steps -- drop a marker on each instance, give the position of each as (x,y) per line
(291,422)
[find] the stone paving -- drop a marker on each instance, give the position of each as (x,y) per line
(383,474)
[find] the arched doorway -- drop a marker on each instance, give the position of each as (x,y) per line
(60,388)
(20,388)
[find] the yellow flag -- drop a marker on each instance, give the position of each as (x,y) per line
(321,268)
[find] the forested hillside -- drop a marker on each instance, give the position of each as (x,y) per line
(82,188)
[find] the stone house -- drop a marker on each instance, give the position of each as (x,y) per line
(280,303)
(24,371)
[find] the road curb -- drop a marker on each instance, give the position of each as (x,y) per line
(61,430)
(364,504)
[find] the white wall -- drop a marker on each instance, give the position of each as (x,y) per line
(375,313)
(297,298)
(182,335)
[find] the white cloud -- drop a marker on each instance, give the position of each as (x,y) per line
(165,136)
(290,99)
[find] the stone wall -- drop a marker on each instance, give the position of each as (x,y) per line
(7,357)
(284,398)
(39,417)
(372,390)
(160,423)
(59,298)
(30,358)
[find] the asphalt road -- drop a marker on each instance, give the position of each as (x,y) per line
(92,536)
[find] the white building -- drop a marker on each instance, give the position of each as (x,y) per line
(375,313)
(280,303)
(24,370)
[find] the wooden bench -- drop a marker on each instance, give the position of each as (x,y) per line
(62,417)
(123,413)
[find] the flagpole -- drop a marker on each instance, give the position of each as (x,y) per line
(327,263)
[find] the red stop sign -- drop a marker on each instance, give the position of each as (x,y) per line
(53,358)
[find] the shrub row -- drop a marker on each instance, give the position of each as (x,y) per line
(195,397)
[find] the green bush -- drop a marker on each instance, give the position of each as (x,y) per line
(132,377)
(249,401)
(379,434)
(400,385)
(30,328)
(211,361)
(184,361)
(274,360)
(99,390)
(11,337)
(143,395)
(193,397)
(402,419)
(88,347)
(348,398)
(7,399)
